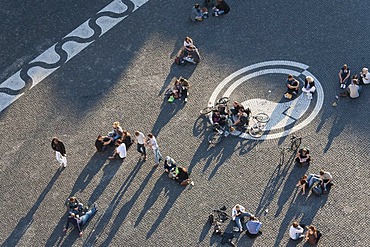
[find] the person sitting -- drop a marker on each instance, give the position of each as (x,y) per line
(235,109)
(365,76)
(344,74)
(238,213)
(192,55)
(326,179)
(243,120)
(312,235)
(116,133)
(309,87)
(354,89)
(102,142)
(181,175)
(313,179)
(198,14)
(218,119)
(127,139)
(119,152)
(78,221)
(74,206)
(303,156)
(221,8)
(296,231)
(253,227)
(303,184)
(292,86)
(169,164)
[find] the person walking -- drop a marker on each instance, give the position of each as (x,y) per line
(154,145)
(140,138)
(60,151)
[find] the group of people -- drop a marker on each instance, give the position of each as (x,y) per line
(235,118)
(220,8)
(312,235)
(179,90)
(355,82)
(78,215)
(321,182)
(292,85)
(252,226)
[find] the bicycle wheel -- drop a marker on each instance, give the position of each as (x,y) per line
(206,110)
(214,138)
(255,131)
(296,142)
(262,117)
(223,100)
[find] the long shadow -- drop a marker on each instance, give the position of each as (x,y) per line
(302,207)
(122,214)
(90,170)
(338,125)
(168,110)
(276,180)
(171,188)
(27,220)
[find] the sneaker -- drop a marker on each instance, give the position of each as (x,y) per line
(110,158)
(186,100)
(192,183)
(344,86)
(145,158)
(65,165)
(216,14)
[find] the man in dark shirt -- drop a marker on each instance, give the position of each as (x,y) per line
(60,151)
(292,86)
(102,143)
(80,221)
(242,120)
(222,8)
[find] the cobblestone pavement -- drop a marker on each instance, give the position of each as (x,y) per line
(122,76)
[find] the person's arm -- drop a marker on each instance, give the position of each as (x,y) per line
(63,149)
(348,75)
(66,227)
(53,145)
(304,188)
(340,76)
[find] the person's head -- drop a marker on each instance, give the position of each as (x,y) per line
(188,40)
(55,140)
(312,229)
(309,79)
(295,224)
(116,124)
(196,5)
(345,66)
(237,206)
(72,199)
(150,135)
(100,137)
(118,142)
(365,70)
(235,103)
(125,132)
(219,1)
(322,172)
(290,77)
(304,150)
(137,133)
(252,217)
(304,177)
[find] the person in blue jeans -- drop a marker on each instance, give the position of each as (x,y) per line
(238,213)
(78,221)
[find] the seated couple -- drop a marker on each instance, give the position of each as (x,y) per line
(296,232)
(179,89)
(307,182)
(253,225)
(177,173)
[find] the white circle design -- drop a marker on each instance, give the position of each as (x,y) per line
(281,114)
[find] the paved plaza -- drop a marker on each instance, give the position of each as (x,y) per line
(71,68)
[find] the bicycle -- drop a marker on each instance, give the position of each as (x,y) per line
(221,102)
(257,129)
(295,143)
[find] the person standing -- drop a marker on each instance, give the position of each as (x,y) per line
(154,145)
(60,151)
(140,138)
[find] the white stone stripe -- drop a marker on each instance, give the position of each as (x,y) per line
(71,47)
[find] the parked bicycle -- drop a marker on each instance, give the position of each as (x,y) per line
(222,102)
(257,129)
(295,143)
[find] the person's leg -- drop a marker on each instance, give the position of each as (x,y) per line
(58,157)
(87,215)
(138,148)
(64,161)
(318,236)
(157,156)
(238,223)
